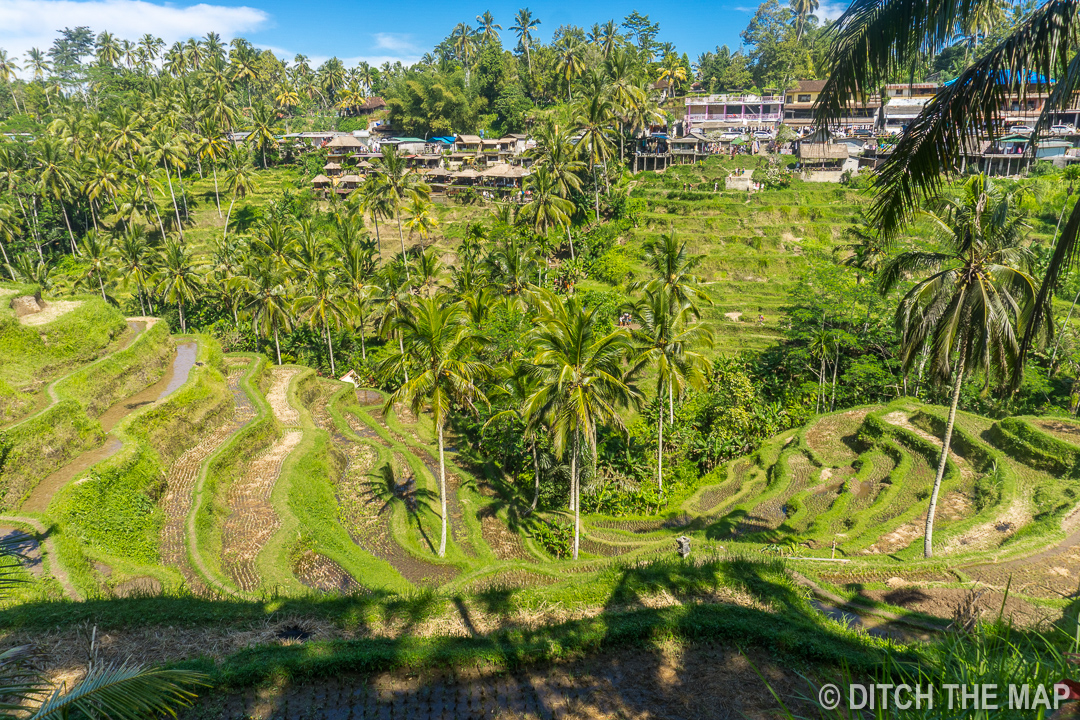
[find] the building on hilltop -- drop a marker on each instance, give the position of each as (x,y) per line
(721,112)
(799,109)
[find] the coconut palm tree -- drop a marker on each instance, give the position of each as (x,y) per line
(266,298)
(322,307)
(672,269)
(178,279)
(239,182)
(56,179)
(8,67)
(666,337)
(524,24)
(375,197)
(404,185)
(134,260)
(440,344)
(571,61)
(547,207)
(593,119)
(876,40)
(263,120)
(488,28)
(356,265)
(211,147)
(802,9)
(967,312)
(165,148)
(581,383)
(516,385)
(463,40)
(422,220)
(97,253)
(9,228)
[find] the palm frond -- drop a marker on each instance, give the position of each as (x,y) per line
(124,692)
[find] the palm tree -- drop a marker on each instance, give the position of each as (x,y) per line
(517,384)
(356,264)
(133,254)
(212,147)
(802,9)
(9,227)
(376,198)
(879,39)
(262,130)
(546,208)
(672,272)
(239,182)
(581,383)
(264,284)
(166,148)
(524,24)
(438,341)
(666,337)
(978,295)
(403,184)
(594,118)
(96,253)
(488,28)
(55,179)
(108,50)
(571,62)
(8,66)
(37,64)
(178,279)
(322,306)
(462,38)
(422,221)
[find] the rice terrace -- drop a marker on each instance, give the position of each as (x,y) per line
(545,374)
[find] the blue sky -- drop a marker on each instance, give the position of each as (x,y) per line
(353,31)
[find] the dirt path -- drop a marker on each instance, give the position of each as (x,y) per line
(138,326)
(56,568)
(182,479)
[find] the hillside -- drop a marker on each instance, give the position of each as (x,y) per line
(269,490)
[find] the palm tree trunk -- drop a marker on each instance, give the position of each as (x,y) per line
(836,364)
(71,235)
(660,453)
(574,492)
(101,286)
(180,307)
(93,215)
(671,404)
(277,344)
(168,176)
(928,542)
(363,347)
(400,235)
(401,347)
(330,347)
(378,240)
(225,232)
(37,237)
(536,477)
(7,263)
(821,386)
(142,307)
(13,98)
(442,494)
(571,241)
(183,195)
(217,197)
(596,187)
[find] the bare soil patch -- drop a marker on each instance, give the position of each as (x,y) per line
(278,396)
(52,310)
(834,436)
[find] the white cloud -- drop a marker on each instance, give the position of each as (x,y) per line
(830,10)
(395,42)
(33,23)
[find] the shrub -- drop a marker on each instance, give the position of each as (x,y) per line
(556,538)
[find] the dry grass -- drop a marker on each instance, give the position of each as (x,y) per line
(53,310)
